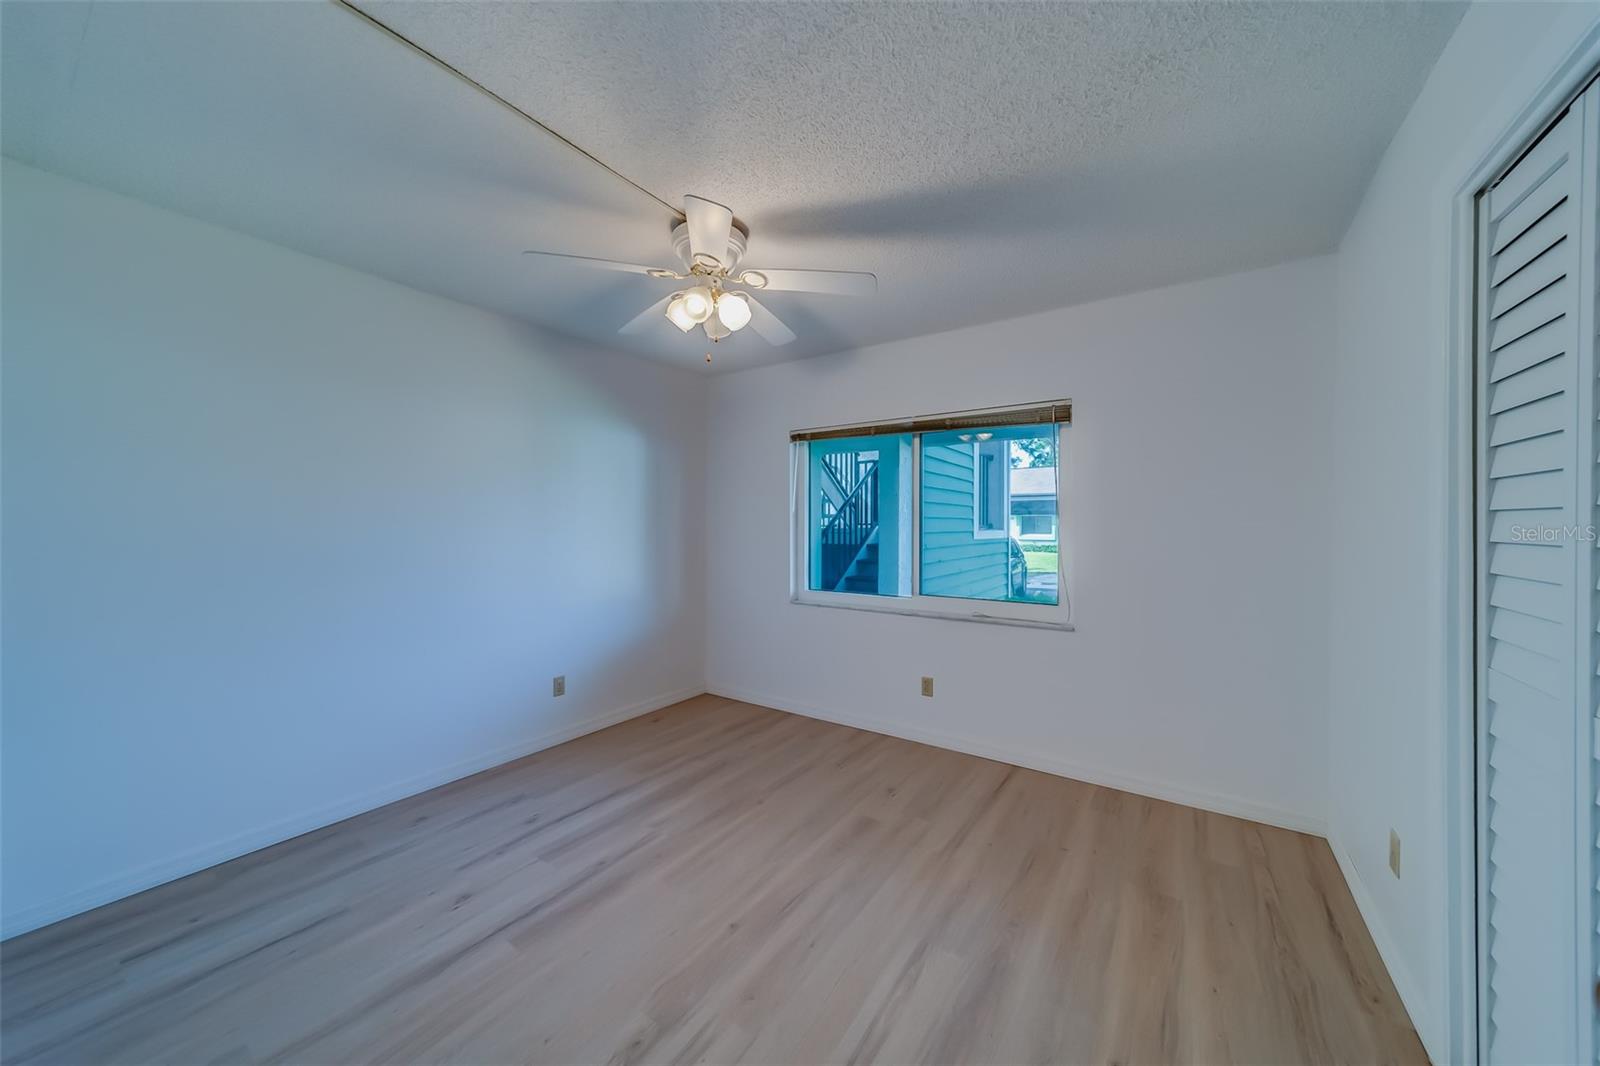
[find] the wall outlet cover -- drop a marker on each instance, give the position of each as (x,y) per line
(558,685)
(1394,852)
(927,686)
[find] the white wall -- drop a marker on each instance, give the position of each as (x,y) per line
(1195,477)
(284,541)
(1389,573)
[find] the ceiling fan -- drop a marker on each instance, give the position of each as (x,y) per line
(709,243)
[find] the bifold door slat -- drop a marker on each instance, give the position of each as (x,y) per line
(1529,597)
(1526,631)
(1536,671)
(1549,563)
(1532,170)
(1525,491)
(1546,342)
(1544,307)
(1538,202)
(1542,235)
(1551,266)
(1505,691)
(1532,455)
(1532,731)
(1524,527)
(1531,420)
(1548,378)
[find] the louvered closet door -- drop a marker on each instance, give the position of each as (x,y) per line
(1537,593)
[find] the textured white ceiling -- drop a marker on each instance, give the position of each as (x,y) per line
(984,160)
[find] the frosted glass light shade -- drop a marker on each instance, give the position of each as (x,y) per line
(697,303)
(734,310)
(678,313)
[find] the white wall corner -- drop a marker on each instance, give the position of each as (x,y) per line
(1412,995)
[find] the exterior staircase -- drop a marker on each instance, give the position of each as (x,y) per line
(849,537)
(862,576)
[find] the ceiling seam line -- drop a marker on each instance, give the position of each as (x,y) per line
(491,94)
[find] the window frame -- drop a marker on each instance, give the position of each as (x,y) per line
(980,491)
(993,612)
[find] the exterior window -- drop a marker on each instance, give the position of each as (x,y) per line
(933,516)
(859,512)
(992,469)
(1035,526)
(971,542)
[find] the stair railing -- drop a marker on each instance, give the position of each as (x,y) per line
(848,468)
(848,531)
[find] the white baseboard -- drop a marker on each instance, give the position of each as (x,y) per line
(1405,983)
(162,871)
(1095,775)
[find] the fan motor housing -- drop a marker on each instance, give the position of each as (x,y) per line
(738,236)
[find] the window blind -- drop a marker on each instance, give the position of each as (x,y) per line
(1027,415)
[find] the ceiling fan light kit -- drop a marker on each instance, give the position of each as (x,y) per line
(709,243)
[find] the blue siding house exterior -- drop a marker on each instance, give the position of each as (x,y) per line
(955,560)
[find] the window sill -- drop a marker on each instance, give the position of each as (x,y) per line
(948,616)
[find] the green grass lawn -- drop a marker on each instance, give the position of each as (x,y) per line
(1040,562)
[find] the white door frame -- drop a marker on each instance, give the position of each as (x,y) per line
(1460,799)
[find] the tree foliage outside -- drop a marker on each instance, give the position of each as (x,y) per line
(1033,451)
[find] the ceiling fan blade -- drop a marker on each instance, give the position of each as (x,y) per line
(642,320)
(832,282)
(768,325)
(609,264)
(709,227)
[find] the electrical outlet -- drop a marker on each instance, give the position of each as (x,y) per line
(558,685)
(927,686)
(1394,852)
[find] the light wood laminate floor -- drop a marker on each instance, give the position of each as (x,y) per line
(718,882)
